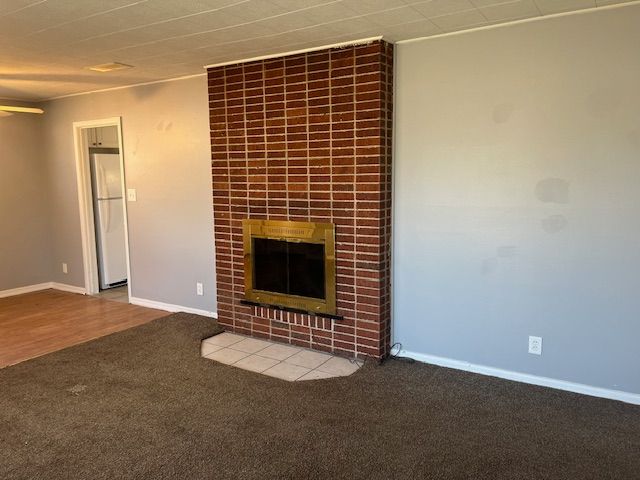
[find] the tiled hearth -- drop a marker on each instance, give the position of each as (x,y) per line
(307,138)
(275,359)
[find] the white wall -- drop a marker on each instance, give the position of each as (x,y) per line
(24,207)
(517,198)
(167,160)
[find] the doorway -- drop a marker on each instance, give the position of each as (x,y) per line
(103,209)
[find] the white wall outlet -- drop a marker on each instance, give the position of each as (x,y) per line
(535,345)
(199,289)
(65,269)
(131,195)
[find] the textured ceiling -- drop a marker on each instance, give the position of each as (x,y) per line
(45,45)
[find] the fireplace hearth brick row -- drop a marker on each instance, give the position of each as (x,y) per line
(307,137)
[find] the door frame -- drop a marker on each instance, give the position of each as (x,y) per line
(85,201)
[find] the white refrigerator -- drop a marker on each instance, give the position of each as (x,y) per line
(108,207)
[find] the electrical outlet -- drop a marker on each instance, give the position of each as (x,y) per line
(132,195)
(65,269)
(535,345)
(199,289)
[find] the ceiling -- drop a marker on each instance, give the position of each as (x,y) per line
(46,45)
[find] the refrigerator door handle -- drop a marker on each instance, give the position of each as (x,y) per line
(104,212)
(104,186)
(108,216)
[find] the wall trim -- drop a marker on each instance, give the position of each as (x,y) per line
(361,41)
(355,42)
(518,22)
(169,307)
(121,87)
(26,289)
(42,286)
(627,397)
(232,62)
(85,202)
(142,302)
(68,288)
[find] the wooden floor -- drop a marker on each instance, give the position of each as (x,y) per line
(43,322)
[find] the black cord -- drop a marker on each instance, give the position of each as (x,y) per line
(397,355)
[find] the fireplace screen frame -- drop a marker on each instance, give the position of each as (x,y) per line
(307,232)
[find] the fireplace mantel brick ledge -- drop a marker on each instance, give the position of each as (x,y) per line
(307,137)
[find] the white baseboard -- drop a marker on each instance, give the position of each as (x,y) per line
(28,289)
(627,397)
(68,288)
(41,286)
(143,302)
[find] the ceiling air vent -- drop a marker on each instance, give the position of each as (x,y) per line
(109,67)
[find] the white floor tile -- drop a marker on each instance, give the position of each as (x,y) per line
(286,371)
(224,339)
(251,345)
(227,356)
(316,375)
(340,366)
(275,359)
(255,363)
(308,359)
(207,348)
(279,352)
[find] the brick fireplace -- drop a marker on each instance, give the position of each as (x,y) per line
(307,138)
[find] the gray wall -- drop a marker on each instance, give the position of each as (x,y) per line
(24,206)
(517,197)
(167,160)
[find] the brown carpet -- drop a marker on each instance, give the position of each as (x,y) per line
(142,404)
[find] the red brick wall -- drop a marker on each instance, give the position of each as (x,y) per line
(307,137)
